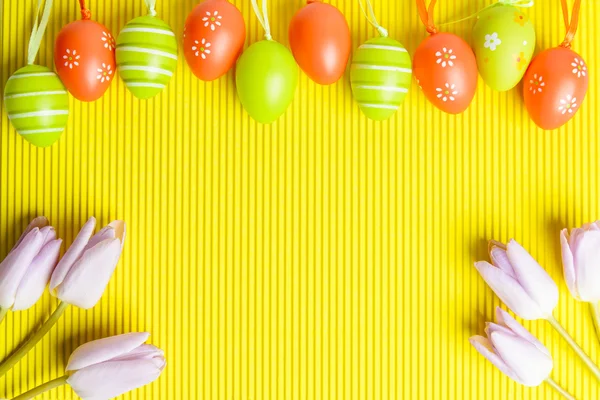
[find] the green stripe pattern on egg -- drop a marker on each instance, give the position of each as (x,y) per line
(146,55)
(37,104)
(380,76)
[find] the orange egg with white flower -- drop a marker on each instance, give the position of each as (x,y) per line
(446,70)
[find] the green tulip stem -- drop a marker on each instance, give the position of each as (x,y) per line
(588,361)
(3,312)
(559,389)
(14,358)
(36,391)
(595,309)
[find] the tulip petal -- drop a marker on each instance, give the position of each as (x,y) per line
(509,291)
(568,264)
(74,252)
(492,327)
(88,277)
(500,260)
(531,365)
(105,349)
(533,278)
(105,233)
(15,265)
(38,222)
(144,351)
(38,274)
(507,320)
(586,256)
(485,348)
(113,378)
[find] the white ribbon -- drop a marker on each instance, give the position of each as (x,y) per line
(151,7)
(370,15)
(37,33)
(263,17)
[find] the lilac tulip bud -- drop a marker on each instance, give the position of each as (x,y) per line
(86,268)
(520,282)
(25,271)
(515,351)
(581,261)
(109,367)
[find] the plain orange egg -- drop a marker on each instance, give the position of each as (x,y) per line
(320,41)
(446,70)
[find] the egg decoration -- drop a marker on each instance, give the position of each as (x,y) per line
(213,38)
(380,77)
(37,104)
(266,79)
(84,57)
(146,55)
(503,41)
(446,70)
(554,87)
(320,41)
(266,75)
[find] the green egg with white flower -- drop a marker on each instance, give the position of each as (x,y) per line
(37,104)
(503,42)
(146,55)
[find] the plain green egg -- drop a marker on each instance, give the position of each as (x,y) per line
(266,77)
(503,41)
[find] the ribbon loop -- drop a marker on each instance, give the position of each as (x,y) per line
(151,4)
(571,27)
(85,13)
(426,15)
(263,17)
(37,33)
(370,16)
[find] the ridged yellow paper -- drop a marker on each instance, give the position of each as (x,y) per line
(324,256)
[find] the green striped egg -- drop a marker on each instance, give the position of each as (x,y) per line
(146,55)
(380,76)
(37,104)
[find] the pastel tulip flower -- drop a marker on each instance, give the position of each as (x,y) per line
(80,277)
(516,352)
(581,261)
(109,367)
(26,270)
(86,268)
(526,288)
(519,281)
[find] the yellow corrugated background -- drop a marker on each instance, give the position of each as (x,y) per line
(322,257)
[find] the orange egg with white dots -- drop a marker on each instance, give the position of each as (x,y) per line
(554,87)
(446,70)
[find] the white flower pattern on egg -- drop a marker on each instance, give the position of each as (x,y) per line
(537,83)
(567,105)
(104,73)
(71,58)
(201,48)
(579,67)
(212,20)
(492,41)
(109,41)
(447,92)
(445,57)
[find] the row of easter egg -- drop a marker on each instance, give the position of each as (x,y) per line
(446,67)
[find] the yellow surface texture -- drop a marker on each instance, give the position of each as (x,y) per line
(322,257)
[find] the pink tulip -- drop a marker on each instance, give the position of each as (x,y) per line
(581,261)
(519,281)
(85,270)
(515,351)
(25,271)
(106,368)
